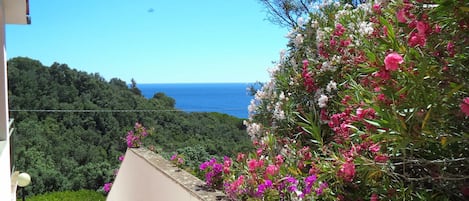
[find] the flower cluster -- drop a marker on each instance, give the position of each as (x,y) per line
(134,137)
(177,160)
(107,187)
(213,173)
(370,103)
(262,176)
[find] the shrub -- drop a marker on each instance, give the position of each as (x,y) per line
(370,102)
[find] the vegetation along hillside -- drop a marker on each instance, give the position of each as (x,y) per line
(70,126)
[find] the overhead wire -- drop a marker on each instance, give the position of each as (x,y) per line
(117,111)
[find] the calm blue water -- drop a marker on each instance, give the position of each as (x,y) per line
(228,98)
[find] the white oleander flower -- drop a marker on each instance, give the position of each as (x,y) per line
(273,71)
(279,114)
(253,129)
(252,107)
(327,66)
(365,28)
(283,54)
(319,35)
(281,97)
(314,24)
(300,21)
(331,86)
(322,101)
(298,40)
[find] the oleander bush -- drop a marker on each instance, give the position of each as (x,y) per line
(370,102)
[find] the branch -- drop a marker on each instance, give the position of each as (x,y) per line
(276,14)
(424,161)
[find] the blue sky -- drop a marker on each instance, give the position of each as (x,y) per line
(152,41)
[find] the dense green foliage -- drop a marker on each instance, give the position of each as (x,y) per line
(70,125)
(81,195)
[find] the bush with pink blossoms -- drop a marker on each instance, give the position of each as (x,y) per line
(177,160)
(374,104)
(134,137)
(213,173)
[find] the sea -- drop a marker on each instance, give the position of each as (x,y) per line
(228,98)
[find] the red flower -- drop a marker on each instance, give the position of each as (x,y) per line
(279,160)
(240,157)
(450,49)
(347,171)
(417,39)
(401,16)
(272,170)
(308,79)
(374,197)
(377,8)
(374,148)
(423,28)
(465,106)
(392,61)
(381,158)
(339,30)
(252,165)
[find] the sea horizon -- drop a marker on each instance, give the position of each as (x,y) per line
(229,98)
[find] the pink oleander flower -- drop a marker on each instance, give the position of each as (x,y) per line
(259,151)
(121,158)
(465,106)
(374,148)
(308,78)
(381,158)
(423,28)
(345,43)
(416,38)
(450,49)
(240,157)
(360,113)
(347,171)
(279,160)
(437,28)
(374,197)
(377,8)
(392,61)
(253,164)
(339,30)
(227,164)
(271,170)
(401,16)
(233,189)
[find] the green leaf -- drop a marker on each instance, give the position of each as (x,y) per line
(374,123)
(371,56)
(391,34)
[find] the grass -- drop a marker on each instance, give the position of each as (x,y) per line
(81,195)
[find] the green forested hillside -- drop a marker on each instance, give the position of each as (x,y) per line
(70,126)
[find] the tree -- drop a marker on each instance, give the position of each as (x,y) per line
(286,12)
(134,88)
(165,100)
